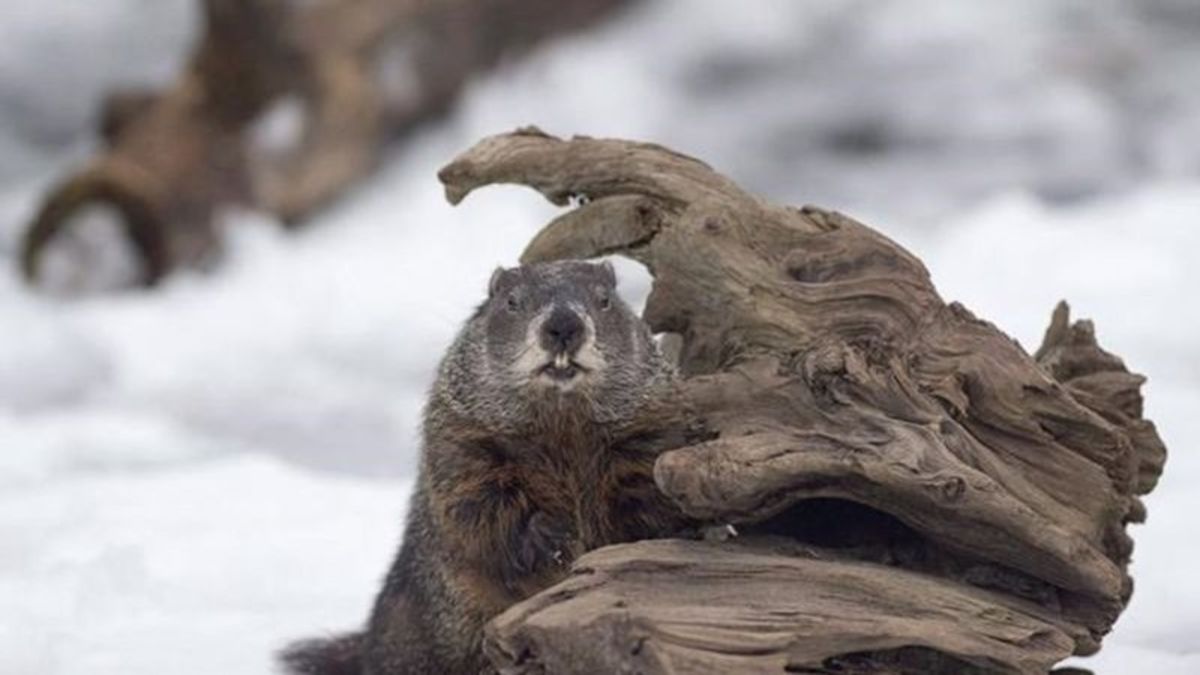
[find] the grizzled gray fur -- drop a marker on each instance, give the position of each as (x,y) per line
(540,437)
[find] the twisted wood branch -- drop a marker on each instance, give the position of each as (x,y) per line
(855,410)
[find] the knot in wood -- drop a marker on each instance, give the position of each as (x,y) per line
(824,361)
(952,488)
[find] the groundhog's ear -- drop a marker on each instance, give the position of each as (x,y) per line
(494,282)
(609,274)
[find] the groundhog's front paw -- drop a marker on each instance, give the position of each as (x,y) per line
(543,542)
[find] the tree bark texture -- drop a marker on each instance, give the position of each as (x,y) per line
(916,493)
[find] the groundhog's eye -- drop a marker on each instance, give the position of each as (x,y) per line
(604,300)
(513,303)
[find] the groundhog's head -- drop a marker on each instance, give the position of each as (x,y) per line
(558,324)
(553,334)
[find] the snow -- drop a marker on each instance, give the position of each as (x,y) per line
(202,568)
(58,58)
(192,477)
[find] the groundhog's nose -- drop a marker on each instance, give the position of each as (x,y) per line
(563,331)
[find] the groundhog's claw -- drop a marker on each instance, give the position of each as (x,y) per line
(543,542)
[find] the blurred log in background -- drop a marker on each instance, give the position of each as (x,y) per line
(282,106)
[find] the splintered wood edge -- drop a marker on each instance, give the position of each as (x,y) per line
(672,606)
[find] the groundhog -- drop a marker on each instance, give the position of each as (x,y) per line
(540,436)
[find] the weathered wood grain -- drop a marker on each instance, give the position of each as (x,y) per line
(830,370)
(676,606)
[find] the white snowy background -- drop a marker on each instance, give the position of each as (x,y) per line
(192,477)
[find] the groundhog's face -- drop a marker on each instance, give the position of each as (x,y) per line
(557,325)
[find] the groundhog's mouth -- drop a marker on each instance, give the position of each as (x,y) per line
(562,369)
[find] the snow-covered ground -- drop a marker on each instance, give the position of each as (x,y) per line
(191,477)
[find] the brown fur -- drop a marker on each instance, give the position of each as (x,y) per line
(517,481)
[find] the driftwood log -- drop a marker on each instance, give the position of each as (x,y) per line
(357,73)
(915,493)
